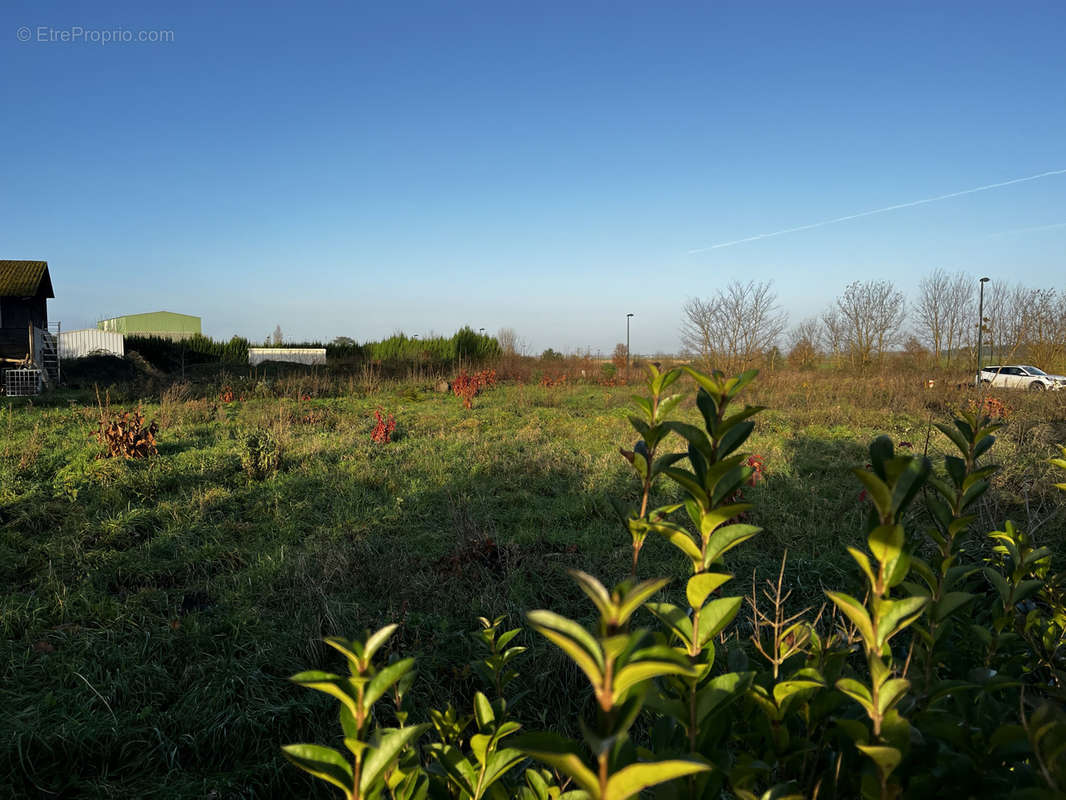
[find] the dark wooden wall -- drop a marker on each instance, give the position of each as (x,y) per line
(16,314)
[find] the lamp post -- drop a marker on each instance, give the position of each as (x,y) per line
(628,316)
(980,326)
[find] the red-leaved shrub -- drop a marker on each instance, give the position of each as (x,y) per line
(382,433)
(466,387)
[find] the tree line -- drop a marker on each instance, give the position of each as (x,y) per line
(743,324)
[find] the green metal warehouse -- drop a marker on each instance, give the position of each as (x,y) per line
(165,324)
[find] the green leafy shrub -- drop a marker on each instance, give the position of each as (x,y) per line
(261,453)
(942,676)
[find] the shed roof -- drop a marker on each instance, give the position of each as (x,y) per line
(24,278)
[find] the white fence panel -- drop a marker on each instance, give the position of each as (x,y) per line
(91,341)
(289,355)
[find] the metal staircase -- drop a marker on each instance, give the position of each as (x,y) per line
(46,352)
(50,352)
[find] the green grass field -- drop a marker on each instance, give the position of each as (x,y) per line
(152,610)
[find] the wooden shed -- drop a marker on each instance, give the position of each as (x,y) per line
(25,287)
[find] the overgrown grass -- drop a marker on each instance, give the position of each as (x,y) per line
(152,610)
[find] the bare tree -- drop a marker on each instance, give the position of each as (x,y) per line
(1010,313)
(277,336)
(961,313)
(945,312)
(871,314)
(736,327)
(510,344)
(834,338)
(696,328)
(804,343)
(1047,340)
(932,310)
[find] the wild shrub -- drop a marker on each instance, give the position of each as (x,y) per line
(261,453)
(991,407)
(468,386)
(383,429)
(942,676)
(126,434)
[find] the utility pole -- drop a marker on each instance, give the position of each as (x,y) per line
(627,345)
(980,326)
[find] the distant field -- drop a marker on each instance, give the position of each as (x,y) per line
(151,610)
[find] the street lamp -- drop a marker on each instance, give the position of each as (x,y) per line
(627,344)
(980,326)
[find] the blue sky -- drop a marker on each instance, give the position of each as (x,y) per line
(360,168)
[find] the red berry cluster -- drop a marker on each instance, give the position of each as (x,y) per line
(382,433)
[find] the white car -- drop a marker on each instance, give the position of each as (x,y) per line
(1019,377)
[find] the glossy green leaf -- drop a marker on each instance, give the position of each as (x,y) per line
(561,754)
(334,685)
(785,690)
(735,437)
(696,437)
(636,597)
(949,604)
(688,482)
(908,482)
(483,712)
(498,764)
(856,612)
(322,762)
(375,641)
(479,746)
(700,586)
(667,405)
(955,436)
(455,766)
(681,539)
(864,564)
(890,693)
(877,490)
(674,618)
(886,758)
(725,539)
(895,615)
(632,780)
(886,542)
(716,615)
(857,692)
(595,590)
(384,680)
(386,749)
(643,402)
(652,662)
(720,691)
(574,640)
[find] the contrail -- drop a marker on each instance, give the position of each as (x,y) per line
(878,211)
